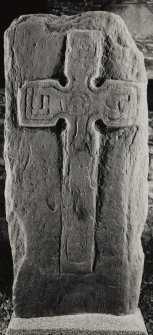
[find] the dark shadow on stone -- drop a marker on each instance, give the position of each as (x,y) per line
(6,265)
(59,70)
(150,94)
(146,295)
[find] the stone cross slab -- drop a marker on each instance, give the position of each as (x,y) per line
(80,103)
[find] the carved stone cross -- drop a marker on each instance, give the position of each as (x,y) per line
(76,163)
(80,103)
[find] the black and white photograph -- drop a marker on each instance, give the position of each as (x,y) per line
(76,167)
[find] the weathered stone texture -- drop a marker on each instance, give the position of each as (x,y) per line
(2,168)
(138,16)
(76,161)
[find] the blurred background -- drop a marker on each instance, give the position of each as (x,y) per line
(138,15)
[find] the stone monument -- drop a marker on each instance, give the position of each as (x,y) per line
(77,163)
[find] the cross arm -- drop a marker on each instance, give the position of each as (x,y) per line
(41,103)
(118,103)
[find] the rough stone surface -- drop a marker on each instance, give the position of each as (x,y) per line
(102,324)
(76,160)
(137,14)
(2,168)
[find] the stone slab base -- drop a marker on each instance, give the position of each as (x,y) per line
(87,324)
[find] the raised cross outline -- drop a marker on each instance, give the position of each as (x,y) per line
(42,103)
